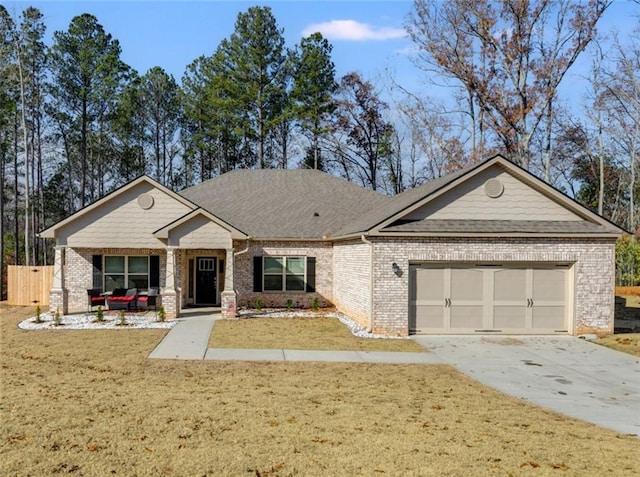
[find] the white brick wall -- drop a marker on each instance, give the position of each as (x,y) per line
(352,280)
(343,274)
(243,273)
(593,261)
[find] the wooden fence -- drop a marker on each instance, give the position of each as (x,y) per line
(29,286)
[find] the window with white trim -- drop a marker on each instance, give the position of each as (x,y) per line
(283,273)
(126,272)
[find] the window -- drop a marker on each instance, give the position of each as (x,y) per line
(126,272)
(284,273)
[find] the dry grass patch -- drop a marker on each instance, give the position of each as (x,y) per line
(90,403)
(632,301)
(299,333)
(628,291)
(626,342)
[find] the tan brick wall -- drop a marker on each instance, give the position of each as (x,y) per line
(78,271)
(352,280)
(243,273)
(593,271)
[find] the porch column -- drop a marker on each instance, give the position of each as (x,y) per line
(228,295)
(58,299)
(169,295)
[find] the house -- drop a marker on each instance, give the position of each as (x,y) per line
(488,249)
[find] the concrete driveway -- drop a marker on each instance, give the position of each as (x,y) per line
(562,373)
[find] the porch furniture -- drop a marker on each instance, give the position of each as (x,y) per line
(123,299)
(148,300)
(94,298)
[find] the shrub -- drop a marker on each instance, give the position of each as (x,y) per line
(259,305)
(289,304)
(38,318)
(99,315)
(161,314)
(56,318)
(122,318)
(315,304)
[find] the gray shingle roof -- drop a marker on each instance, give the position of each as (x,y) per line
(497,226)
(309,204)
(270,203)
(398,203)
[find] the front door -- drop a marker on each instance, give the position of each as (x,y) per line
(206,281)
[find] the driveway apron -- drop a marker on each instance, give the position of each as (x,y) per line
(562,373)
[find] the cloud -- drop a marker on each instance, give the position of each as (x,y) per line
(353,31)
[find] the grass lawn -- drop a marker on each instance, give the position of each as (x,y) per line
(299,333)
(89,402)
(627,342)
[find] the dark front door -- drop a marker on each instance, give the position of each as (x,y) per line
(206,281)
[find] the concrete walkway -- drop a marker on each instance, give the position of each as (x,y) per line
(189,338)
(561,373)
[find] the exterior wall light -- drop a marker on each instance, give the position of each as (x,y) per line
(396,269)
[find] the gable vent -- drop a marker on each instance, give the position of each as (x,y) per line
(493,188)
(145,201)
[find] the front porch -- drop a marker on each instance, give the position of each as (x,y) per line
(185,278)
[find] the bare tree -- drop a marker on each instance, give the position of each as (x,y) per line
(505,56)
(623,90)
(362,138)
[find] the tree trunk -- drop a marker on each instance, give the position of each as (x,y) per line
(25,144)
(83,151)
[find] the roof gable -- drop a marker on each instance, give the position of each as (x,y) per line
(194,220)
(138,208)
(495,195)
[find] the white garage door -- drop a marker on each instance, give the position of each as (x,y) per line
(481,299)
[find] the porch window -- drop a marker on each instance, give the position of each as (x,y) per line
(284,273)
(126,272)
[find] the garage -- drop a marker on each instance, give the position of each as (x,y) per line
(489,298)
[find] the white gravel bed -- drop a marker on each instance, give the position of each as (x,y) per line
(355,328)
(86,321)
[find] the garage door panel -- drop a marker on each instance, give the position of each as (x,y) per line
(548,317)
(429,317)
(431,282)
(510,285)
(466,284)
(466,317)
(548,284)
(509,317)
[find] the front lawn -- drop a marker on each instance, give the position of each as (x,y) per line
(299,333)
(90,403)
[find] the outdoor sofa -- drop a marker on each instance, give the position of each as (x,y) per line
(123,299)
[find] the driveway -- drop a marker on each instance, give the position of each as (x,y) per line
(562,373)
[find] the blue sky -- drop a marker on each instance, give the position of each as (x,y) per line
(366,35)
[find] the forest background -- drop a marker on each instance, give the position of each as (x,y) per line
(76,121)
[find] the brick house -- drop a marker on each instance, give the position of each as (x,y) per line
(488,249)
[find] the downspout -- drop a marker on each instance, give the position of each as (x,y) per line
(245,250)
(370,244)
(235,254)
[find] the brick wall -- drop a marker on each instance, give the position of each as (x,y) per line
(243,273)
(593,261)
(352,280)
(78,272)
